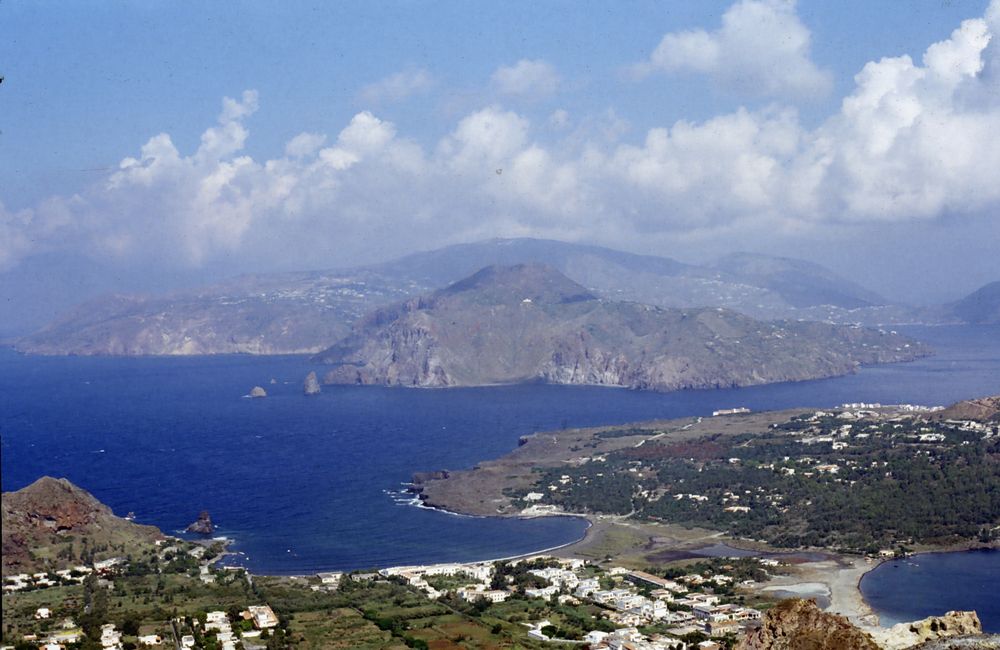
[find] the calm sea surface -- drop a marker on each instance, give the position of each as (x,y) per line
(930,583)
(313,484)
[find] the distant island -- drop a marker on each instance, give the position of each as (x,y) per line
(529,322)
(306,312)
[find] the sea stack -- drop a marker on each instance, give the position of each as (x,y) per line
(311,386)
(203,526)
(258,392)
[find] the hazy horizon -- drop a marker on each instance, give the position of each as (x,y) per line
(192,147)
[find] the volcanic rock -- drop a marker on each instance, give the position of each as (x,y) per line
(311,386)
(203,526)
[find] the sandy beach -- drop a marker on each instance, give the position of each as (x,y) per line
(835,581)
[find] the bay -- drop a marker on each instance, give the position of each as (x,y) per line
(307,484)
(929,584)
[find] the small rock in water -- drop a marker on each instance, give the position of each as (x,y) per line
(273,381)
(311,386)
(258,391)
(203,526)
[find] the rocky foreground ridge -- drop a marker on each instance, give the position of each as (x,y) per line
(52,513)
(798,624)
(528,322)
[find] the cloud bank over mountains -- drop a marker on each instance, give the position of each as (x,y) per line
(913,141)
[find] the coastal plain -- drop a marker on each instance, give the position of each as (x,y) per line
(835,447)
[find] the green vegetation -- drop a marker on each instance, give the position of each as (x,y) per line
(360,614)
(857,485)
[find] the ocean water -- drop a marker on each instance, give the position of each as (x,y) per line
(928,584)
(307,484)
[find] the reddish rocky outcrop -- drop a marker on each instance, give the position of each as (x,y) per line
(798,624)
(54,511)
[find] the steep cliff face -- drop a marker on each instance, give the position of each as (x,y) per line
(800,625)
(530,323)
(55,513)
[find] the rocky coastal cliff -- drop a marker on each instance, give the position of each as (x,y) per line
(529,323)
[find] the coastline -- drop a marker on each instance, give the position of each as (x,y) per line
(837,581)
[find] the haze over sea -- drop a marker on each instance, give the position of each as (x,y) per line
(307,484)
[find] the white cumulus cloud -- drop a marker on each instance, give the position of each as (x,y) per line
(526,78)
(911,142)
(761,48)
(397,86)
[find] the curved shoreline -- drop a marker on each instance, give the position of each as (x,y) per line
(958,548)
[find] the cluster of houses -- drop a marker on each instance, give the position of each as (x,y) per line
(677,603)
(67,633)
(632,600)
(42,580)
(479,573)
(73,575)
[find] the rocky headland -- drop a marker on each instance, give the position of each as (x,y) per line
(530,323)
(53,512)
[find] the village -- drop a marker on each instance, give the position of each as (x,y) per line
(179,595)
(629,601)
(182,633)
(631,609)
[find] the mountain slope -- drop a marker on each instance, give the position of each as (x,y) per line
(44,525)
(531,323)
(271,314)
(983,409)
(305,312)
(799,283)
(981,307)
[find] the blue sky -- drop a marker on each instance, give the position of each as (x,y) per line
(87,83)
(682,128)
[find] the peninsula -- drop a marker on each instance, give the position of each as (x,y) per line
(860,477)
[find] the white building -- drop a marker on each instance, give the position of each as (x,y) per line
(263,616)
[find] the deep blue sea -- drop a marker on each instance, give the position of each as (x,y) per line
(306,484)
(929,583)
